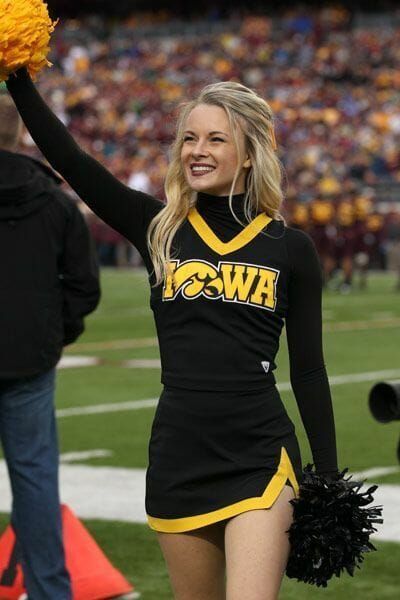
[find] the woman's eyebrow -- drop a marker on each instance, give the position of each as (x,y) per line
(210,133)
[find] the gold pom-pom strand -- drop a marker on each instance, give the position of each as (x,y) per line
(25,30)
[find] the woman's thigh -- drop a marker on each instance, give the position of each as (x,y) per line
(257,550)
(196,562)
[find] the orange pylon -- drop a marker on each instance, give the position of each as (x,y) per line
(92,575)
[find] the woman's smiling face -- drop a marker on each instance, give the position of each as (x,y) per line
(209,155)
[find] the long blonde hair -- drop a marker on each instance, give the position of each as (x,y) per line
(246,112)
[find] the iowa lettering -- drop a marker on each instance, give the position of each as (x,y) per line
(231,282)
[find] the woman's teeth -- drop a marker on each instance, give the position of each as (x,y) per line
(201,170)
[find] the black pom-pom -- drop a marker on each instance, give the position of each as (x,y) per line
(331,527)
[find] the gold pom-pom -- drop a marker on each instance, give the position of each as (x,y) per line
(25,29)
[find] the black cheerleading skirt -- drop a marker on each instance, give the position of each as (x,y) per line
(214,455)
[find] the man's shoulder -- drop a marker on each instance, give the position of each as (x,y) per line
(65,203)
(38,164)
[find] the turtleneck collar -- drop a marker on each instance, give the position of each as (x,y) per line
(216,212)
(218,206)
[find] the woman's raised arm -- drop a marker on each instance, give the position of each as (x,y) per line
(128,211)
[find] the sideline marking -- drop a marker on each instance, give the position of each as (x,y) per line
(118,494)
(376,472)
(142,363)
(126,344)
(114,344)
(360,325)
(282,387)
(106,408)
(70,457)
(76,361)
(71,362)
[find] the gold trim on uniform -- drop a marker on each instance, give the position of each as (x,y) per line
(241,239)
(284,472)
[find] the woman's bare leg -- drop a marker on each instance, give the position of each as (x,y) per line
(196,563)
(257,549)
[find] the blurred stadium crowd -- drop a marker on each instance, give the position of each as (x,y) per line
(334,86)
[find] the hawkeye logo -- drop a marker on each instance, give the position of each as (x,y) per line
(231,282)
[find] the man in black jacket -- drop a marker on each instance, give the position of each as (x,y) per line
(48,283)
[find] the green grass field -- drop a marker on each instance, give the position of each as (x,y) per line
(361,335)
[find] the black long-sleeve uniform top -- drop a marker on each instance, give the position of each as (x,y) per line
(220,319)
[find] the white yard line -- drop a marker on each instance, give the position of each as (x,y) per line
(106,408)
(380,323)
(125,312)
(282,387)
(117,494)
(360,325)
(72,362)
(75,361)
(70,457)
(376,472)
(115,344)
(142,363)
(383,315)
(361,377)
